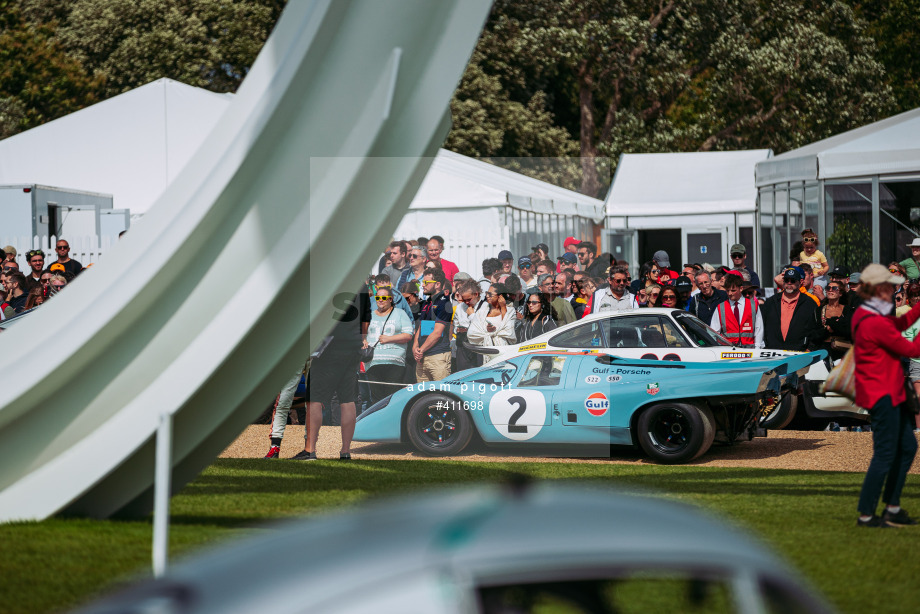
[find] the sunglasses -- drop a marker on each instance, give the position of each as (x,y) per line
(64,247)
(809,240)
(618,281)
(533,302)
(833,289)
(383,298)
(57,286)
(524,266)
(853,285)
(893,271)
(737,255)
(669,297)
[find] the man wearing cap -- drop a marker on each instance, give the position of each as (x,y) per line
(737,318)
(789,316)
(525,272)
(854,300)
(665,274)
(738,254)
(569,261)
(684,288)
(507,260)
(9,253)
(912,264)
(542,249)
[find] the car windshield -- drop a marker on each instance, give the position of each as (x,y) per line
(701,335)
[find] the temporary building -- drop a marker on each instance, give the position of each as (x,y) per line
(859,190)
(692,205)
(131,146)
(481,209)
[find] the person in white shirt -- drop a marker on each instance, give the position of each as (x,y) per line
(615,297)
(739,319)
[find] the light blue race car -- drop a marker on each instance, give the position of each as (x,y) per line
(591,400)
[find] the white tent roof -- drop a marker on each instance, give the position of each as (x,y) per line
(458,181)
(130,146)
(887,146)
(684,183)
(134,144)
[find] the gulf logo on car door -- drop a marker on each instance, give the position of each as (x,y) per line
(597,404)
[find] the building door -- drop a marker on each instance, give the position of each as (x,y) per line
(704,245)
(623,245)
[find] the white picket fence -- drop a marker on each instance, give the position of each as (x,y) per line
(84,249)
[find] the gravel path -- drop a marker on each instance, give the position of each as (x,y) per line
(813,450)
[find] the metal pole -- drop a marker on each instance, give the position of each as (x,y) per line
(161,487)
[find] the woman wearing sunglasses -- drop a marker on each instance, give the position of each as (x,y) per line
(813,256)
(670,299)
(834,321)
(389,332)
(652,295)
(648,273)
(493,323)
(539,317)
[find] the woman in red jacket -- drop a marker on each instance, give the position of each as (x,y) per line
(878,349)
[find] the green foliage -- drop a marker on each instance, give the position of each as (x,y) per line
(850,245)
(71,560)
(653,75)
(58,57)
(38,81)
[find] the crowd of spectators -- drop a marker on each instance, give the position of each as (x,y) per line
(421,314)
(24,291)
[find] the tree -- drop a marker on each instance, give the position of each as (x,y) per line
(206,43)
(662,75)
(38,81)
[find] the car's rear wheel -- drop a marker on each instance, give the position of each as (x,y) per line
(438,425)
(783,413)
(676,432)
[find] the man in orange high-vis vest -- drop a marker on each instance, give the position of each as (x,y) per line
(737,318)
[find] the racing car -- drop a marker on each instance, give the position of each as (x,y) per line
(673,410)
(670,334)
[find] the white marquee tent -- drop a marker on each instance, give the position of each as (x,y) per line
(709,197)
(130,146)
(133,145)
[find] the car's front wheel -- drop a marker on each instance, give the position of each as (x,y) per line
(438,425)
(674,433)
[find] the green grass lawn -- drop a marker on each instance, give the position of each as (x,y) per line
(807,517)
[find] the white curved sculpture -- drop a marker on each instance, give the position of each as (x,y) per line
(208,305)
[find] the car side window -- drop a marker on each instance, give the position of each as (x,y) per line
(647,331)
(543,371)
(589,335)
(672,335)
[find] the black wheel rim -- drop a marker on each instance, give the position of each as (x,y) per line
(670,431)
(437,425)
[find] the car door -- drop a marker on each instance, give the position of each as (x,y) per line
(587,407)
(519,410)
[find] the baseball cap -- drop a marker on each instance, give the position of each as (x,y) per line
(570,241)
(794,273)
(683,284)
(737,248)
(877,274)
(57,266)
(524,260)
(542,247)
(839,271)
(661,259)
(568,257)
(505,255)
(461,275)
(854,278)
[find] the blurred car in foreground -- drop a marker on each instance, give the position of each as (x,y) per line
(489,550)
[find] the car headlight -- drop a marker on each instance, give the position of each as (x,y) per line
(376,406)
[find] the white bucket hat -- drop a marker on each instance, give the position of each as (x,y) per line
(914,243)
(878,274)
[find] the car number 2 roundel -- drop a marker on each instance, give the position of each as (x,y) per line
(518,414)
